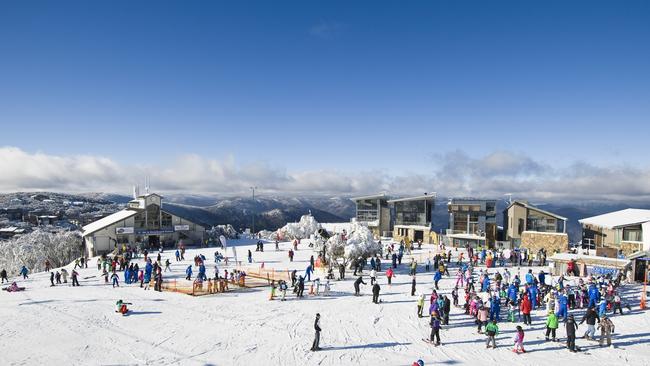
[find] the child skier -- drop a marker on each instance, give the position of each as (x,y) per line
(551,325)
(519,341)
(492,329)
(120,307)
(435,329)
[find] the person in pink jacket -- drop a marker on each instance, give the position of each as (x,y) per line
(482,318)
(519,341)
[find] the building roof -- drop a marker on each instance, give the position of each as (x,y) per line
(107,221)
(616,219)
(531,207)
(380,195)
(429,196)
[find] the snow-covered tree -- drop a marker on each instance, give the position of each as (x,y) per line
(31,250)
(359,243)
(305,228)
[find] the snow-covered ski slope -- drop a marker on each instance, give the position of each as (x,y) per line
(63,325)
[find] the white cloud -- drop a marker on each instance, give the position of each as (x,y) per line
(451,174)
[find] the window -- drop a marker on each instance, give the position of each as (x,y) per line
(632,234)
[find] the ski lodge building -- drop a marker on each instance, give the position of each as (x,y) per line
(143,221)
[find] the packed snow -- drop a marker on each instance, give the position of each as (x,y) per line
(78,325)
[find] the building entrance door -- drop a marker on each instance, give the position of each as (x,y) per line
(154,241)
(418,235)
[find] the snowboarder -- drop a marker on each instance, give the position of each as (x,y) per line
(357,283)
(315,346)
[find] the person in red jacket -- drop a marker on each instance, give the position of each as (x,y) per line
(525,308)
(389,274)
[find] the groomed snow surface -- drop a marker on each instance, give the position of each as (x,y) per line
(63,325)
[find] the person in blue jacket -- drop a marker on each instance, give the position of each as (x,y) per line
(495,309)
(542,277)
(564,307)
(308,272)
(530,279)
(127,275)
(512,293)
(436,277)
(602,308)
(202,272)
(23,272)
(188,272)
(594,295)
(485,286)
(532,295)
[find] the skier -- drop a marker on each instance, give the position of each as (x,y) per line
(454,295)
(551,325)
(420,305)
(495,309)
(301,286)
(519,341)
(52,279)
(413,286)
(389,274)
(373,276)
(436,278)
(375,293)
(357,283)
(342,272)
(3,276)
(188,273)
(75,274)
(571,328)
(57,276)
(120,307)
(64,274)
(315,346)
(492,329)
(435,329)
(482,318)
(23,272)
(167,265)
(115,280)
(606,329)
(178,256)
(590,317)
(283,289)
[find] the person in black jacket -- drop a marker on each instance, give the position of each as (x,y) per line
(357,283)
(301,286)
(315,345)
(413,286)
(571,328)
(375,293)
(446,308)
(590,317)
(3,276)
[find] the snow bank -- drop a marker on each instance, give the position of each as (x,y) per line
(31,250)
(226,230)
(305,228)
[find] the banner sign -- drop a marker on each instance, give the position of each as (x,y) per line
(154,232)
(124,230)
(603,271)
(181,227)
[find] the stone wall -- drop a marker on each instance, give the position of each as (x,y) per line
(630,247)
(552,242)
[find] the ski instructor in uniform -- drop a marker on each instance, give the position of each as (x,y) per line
(315,346)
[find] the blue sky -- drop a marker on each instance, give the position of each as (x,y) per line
(390,87)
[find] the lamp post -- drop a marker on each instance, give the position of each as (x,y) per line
(253,189)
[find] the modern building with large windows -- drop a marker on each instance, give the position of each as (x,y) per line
(472,222)
(625,230)
(374,212)
(530,227)
(412,218)
(143,221)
